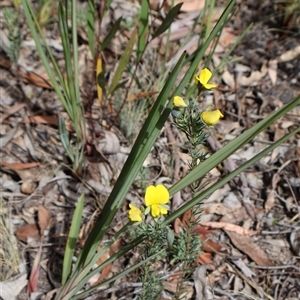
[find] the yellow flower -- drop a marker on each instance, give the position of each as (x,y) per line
(156,197)
(134,214)
(204,78)
(211,118)
(179,102)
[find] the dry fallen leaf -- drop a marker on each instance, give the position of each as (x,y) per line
(12,288)
(269,204)
(38,80)
(228,79)
(227,37)
(20,166)
(272,71)
(188,217)
(217,208)
(27,231)
(254,78)
(243,267)
(28,187)
(50,120)
(229,227)
(110,144)
(106,270)
(204,258)
(141,95)
(245,244)
(190,5)
(295,241)
(12,110)
(200,282)
(208,245)
(289,55)
(43,218)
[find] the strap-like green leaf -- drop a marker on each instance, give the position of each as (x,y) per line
(122,63)
(91,26)
(111,34)
(64,137)
(37,35)
(72,239)
(167,20)
(143,29)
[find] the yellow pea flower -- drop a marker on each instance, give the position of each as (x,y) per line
(135,214)
(204,78)
(211,118)
(156,198)
(179,102)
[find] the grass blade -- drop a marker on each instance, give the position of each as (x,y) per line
(168,20)
(72,239)
(64,32)
(111,34)
(143,29)
(75,76)
(122,63)
(35,31)
(64,137)
(91,26)
(106,8)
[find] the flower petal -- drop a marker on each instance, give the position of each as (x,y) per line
(163,210)
(196,79)
(179,102)
(150,196)
(211,118)
(135,214)
(204,76)
(155,210)
(156,195)
(163,194)
(209,86)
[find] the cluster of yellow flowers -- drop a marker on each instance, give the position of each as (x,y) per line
(156,199)
(212,117)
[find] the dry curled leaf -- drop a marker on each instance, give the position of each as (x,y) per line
(229,227)
(28,187)
(289,55)
(43,218)
(110,144)
(190,5)
(36,79)
(247,246)
(27,231)
(20,166)
(254,78)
